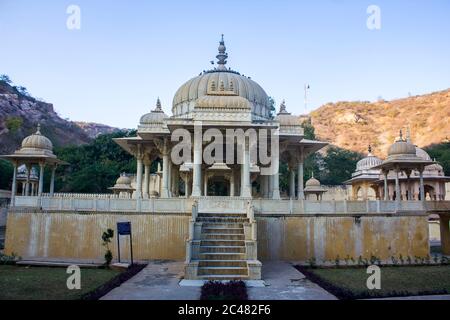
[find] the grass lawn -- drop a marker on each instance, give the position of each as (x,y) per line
(350,283)
(42,283)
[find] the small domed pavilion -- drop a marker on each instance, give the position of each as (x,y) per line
(36,150)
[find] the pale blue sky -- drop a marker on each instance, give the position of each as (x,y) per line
(129,52)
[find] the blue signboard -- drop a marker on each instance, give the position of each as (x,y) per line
(124,228)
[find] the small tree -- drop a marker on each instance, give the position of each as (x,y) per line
(5,78)
(106,237)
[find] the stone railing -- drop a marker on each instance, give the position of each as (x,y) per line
(111,204)
(438,206)
(82,195)
(101,203)
(266,206)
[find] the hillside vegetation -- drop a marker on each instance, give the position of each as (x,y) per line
(355,125)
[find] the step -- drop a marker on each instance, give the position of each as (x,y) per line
(220,215)
(222,271)
(223,277)
(212,230)
(223,236)
(222,249)
(221,256)
(221,242)
(225,220)
(222,263)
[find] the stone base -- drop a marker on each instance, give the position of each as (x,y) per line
(254,269)
(190,270)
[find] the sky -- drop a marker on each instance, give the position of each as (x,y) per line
(127,53)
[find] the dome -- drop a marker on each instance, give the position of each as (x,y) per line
(37,141)
(123,181)
(402,148)
(312,182)
(368,162)
(154,117)
(231,81)
(422,154)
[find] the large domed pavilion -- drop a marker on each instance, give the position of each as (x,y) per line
(220,99)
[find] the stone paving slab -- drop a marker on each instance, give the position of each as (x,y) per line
(284,282)
(158,281)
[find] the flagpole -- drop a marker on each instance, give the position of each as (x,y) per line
(306,98)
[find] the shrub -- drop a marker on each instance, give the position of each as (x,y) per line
(14,123)
(5,259)
(312,262)
(232,290)
(106,237)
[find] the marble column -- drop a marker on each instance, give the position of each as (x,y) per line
(146,179)
(14,185)
(422,187)
(276,178)
(270,186)
(291,183)
(197,166)
(386,191)
(300,193)
(232,183)
(139,177)
(166,164)
(28,187)
(41,179)
(187,188)
(205,184)
(245,180)
(397,186)
(52,181)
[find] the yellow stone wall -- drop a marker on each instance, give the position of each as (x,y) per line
(78,236)
(325,238)
(162,236)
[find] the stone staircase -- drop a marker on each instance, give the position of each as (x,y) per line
(222,248)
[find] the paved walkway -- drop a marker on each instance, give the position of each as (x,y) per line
(286,283)
(158,281)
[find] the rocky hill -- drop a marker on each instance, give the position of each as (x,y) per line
(93,130)
(355,125)
(20,114)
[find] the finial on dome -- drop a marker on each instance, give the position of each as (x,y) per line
(38,131)
(158,105)
(370,149)
(283,106)
(401,135)
(222,56)
(312,174)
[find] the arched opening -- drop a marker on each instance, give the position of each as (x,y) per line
(429,192)
(218,186)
